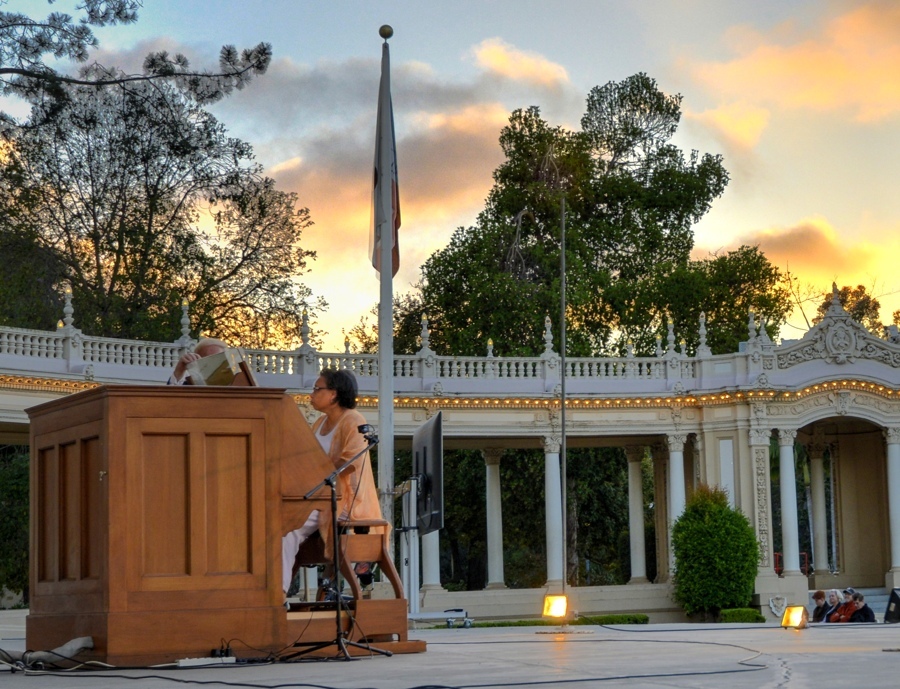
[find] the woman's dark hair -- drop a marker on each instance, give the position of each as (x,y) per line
(344,384)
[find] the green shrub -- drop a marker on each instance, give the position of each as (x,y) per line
(629,618)
(716,555)
(734,615)
(14,519)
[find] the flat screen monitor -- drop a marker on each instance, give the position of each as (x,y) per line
(892,614)
(428,468)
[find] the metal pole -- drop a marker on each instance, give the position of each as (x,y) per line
(562,389)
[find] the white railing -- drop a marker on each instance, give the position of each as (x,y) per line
(20,342)
(67,350)
(95,350)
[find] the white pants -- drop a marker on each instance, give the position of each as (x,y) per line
(290,546)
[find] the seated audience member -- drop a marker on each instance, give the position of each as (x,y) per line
(833,602)
(846,609)
(821,607)
(863,612)
(207,346)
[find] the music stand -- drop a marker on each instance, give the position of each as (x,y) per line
(340,639)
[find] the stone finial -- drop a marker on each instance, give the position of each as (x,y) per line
(629,349)
(185,319)
(670,337)
(68,310)
(751,325)
(548,336)
(304,327)
(425,334)
(490,348)
(346,344)
(703,349)
(658,351)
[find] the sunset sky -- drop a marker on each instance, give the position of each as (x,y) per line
(801,97)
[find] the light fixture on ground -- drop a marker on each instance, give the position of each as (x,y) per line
(795,617)
(556,606)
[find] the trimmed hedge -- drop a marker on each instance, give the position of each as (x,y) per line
(628,618)
(732,615)
(631,618)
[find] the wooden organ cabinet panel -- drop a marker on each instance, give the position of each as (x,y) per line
(156,521)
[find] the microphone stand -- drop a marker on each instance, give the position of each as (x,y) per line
(340,639)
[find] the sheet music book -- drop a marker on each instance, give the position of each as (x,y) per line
(216,369)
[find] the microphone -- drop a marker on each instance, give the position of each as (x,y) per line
(368,432)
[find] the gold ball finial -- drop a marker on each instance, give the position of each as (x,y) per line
(385,31)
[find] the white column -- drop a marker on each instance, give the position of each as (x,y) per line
(892,435)
(676,486)
(553,506)
(635,455)
(431,561)
(816,452)
(790,540)
(676,475)
(494,510)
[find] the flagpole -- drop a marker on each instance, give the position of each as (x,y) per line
(386,170)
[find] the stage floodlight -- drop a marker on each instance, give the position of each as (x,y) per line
(555,605)
(795,617)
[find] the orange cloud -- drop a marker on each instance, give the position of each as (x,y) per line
(851,64)
(500,58)
(817,255)
(739,125)
(445,167)
(814,248)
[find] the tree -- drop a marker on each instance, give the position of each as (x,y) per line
(716,554)
(14,519)
(142,200)
(862,307)
(628,266)
(631,200)
(724,287)
(25,42)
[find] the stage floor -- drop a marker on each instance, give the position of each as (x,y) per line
(664,655)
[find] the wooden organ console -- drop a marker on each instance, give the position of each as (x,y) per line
(156,521)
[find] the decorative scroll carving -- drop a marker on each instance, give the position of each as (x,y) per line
(634,453)
(552,444)
(786,436)
(877,403)
(759,410)
(817,446)
(492,455)
(777,605)
(798,408)
(676,442)
(760,436)
(892,435)
(839,340)
(841,401)
(761,457)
